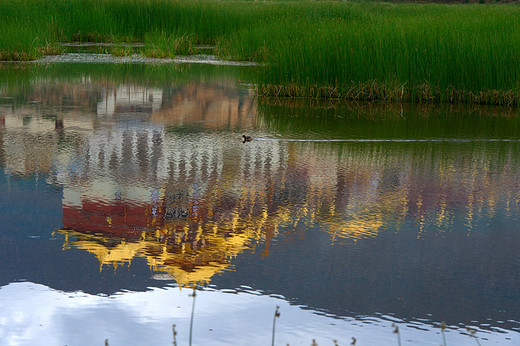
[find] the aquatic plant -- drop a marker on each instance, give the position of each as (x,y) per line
(164,45)
(396,331)
(276,315)
(194,295)
(443,326)
(473,333)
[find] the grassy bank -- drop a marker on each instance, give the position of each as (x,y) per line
(361,51)
(404,52)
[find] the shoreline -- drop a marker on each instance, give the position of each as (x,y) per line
(375,91)
(364,51)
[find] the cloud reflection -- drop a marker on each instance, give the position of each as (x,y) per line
(36,312)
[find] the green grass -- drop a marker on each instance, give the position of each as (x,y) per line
(360,50)
(403,52)
(164,45)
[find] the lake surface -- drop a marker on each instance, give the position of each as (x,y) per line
(124,186)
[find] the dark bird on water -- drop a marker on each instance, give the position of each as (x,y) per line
(246,138)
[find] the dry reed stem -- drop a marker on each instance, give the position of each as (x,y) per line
(375,91)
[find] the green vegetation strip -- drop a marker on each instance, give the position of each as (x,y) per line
(361,50)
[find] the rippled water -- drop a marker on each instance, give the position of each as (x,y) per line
(124,186)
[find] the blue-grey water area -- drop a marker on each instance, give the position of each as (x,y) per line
(124,187)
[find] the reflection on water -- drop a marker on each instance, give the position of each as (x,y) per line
(221,318)
(409,211)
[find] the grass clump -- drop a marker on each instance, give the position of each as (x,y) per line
(163,45)
(21,41)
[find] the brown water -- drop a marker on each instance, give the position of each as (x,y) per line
(122,184)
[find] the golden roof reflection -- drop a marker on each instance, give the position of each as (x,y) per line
(188,244)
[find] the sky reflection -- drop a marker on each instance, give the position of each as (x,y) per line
(37,312)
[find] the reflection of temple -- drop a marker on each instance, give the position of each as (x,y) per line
(185,211)
(59,115)
(174,232)
(126,182)
(195,105)
(140,179)
(129,99)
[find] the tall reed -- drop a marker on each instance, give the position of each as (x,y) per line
(400,52)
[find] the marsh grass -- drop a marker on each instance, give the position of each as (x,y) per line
(473,334)
(430,53)
(174,332)
(360,50)
(20,42)
(122,50)
(163,45)
(276,315)
(396,331)
(194,295)
(443,326)
(374,90)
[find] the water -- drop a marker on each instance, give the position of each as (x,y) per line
(124,186)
